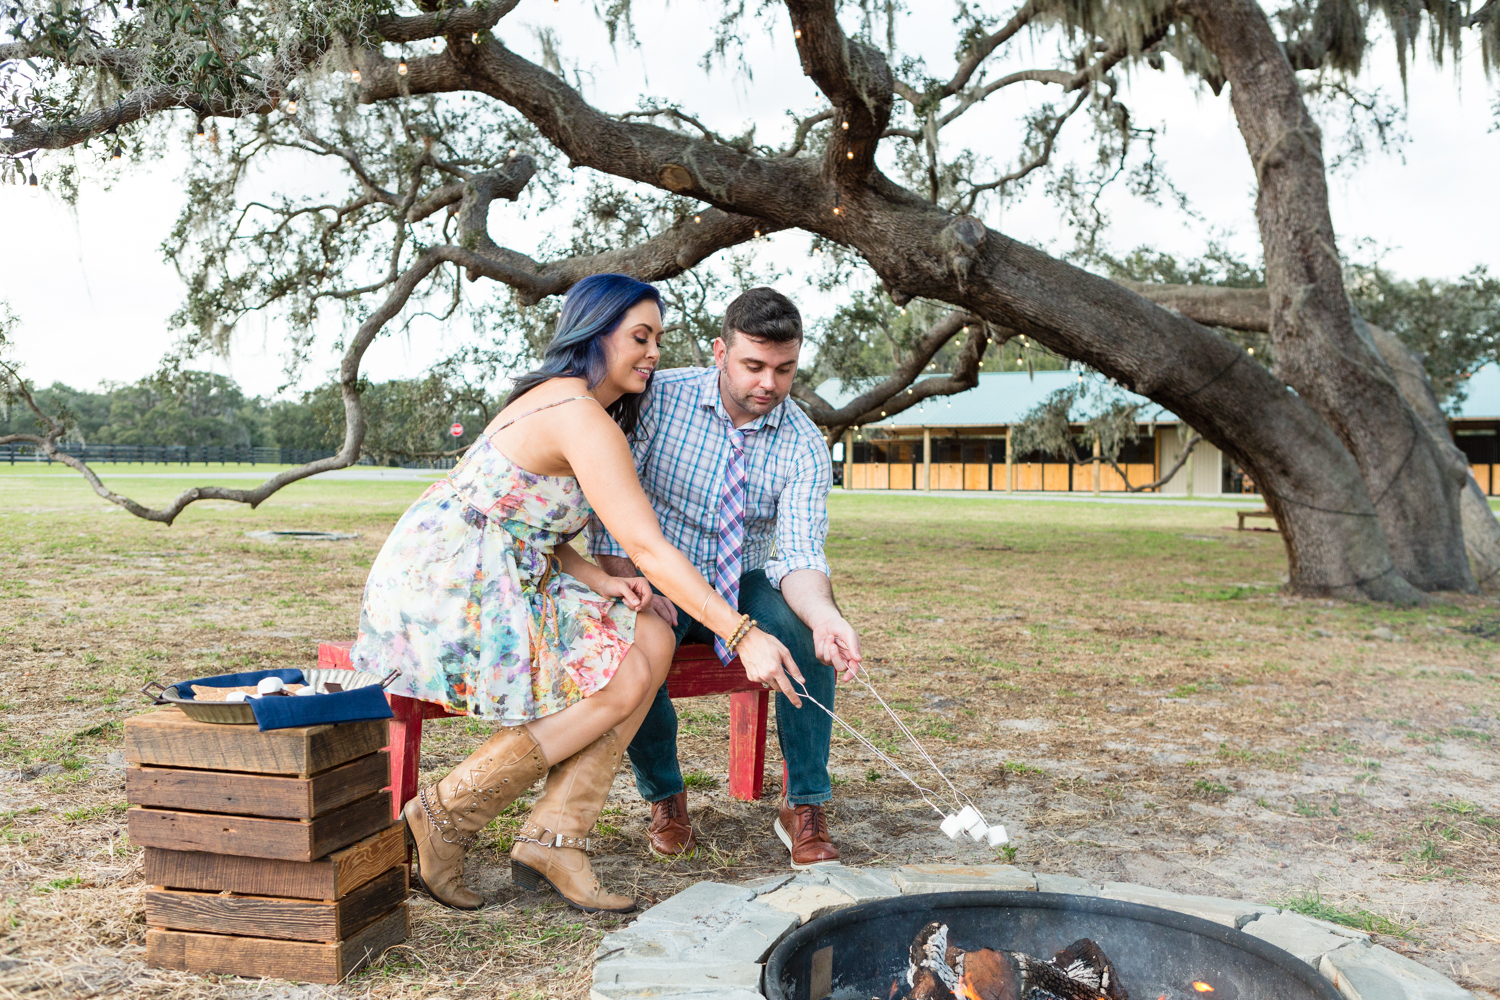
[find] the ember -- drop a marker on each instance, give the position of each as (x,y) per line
(939,971)
(1202,987)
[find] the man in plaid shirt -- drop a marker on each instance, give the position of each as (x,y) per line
(739,477)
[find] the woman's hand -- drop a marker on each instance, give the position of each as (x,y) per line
(633,590)
(768,662)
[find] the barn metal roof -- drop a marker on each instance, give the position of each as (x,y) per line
(999,398)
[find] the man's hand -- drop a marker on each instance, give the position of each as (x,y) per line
(837,643)
(665,609)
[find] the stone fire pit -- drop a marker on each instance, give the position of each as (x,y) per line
(710,942)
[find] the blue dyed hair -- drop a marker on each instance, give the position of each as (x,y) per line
(591,311)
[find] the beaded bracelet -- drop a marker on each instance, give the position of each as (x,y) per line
(736,634)
(746,624)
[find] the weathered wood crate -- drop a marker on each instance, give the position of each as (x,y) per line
(268,854)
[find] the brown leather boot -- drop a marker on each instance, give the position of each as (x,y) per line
(671,831)
(804,831)
(553,843)
(442,822)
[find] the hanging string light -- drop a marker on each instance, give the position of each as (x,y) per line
(475,39)
(401,66)
(119,149)
(354,74)
(797,33)
(200,137)
(291,104)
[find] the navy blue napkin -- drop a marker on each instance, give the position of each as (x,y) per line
(321,709)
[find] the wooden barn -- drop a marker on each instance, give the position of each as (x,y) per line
(962,442)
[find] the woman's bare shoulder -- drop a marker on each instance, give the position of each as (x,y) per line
(548,393)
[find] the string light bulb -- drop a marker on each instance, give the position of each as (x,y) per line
(354,74)
(1252,352)
(200,136)
(851,154)
(119,152)
(797,33)
(291,106)
(475,39)
(757,234)
(401,66)
(837,210)
(846,126)
(32,184)
(697,218)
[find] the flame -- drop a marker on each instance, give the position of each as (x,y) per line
(966,991)
(1202,987)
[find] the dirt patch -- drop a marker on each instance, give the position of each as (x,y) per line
(1133,703)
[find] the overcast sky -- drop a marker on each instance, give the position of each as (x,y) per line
(94,294)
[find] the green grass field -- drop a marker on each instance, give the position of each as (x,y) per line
(1126,685)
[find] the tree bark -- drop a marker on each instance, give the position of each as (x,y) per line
(1415,492)
(1481,529)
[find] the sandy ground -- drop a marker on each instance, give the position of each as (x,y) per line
(1125,687)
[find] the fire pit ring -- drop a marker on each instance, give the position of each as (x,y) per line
(856,952)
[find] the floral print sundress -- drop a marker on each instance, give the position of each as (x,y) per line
(467,601)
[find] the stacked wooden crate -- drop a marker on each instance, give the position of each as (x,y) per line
(268,853)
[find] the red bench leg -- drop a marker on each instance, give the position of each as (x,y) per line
(406,748)
(747,743)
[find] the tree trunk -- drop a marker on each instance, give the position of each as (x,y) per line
(1416,495)
(1481,530)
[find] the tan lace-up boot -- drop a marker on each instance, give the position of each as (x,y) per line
(444,821)
(553,844)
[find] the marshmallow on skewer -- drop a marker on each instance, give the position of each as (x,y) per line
(968,816)
(270,685)
(951,826)
(997,836)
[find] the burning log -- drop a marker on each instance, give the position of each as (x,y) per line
(940,971)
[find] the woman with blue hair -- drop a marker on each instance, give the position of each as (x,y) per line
(481,604)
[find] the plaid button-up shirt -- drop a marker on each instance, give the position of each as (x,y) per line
(681,448)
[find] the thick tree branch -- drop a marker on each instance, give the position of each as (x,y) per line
(666,255)
(854,77)
(1211,305)
(450,21)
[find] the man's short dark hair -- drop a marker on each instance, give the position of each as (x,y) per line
(765,314)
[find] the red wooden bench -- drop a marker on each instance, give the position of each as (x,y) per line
(695,671)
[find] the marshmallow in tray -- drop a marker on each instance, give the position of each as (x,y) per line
(309,689)
(270,685)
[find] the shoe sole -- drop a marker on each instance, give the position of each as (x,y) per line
(787,840)
(416,867)
(530,879)
(687,854)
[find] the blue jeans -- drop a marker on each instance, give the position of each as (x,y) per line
(803,733)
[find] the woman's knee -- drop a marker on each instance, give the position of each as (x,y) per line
(655,640)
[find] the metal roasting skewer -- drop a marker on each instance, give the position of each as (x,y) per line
(967,818)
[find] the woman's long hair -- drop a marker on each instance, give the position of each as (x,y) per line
(591,311)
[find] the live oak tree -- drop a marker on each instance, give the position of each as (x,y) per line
(434,116)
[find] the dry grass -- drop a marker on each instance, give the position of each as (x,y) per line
(1125,687)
